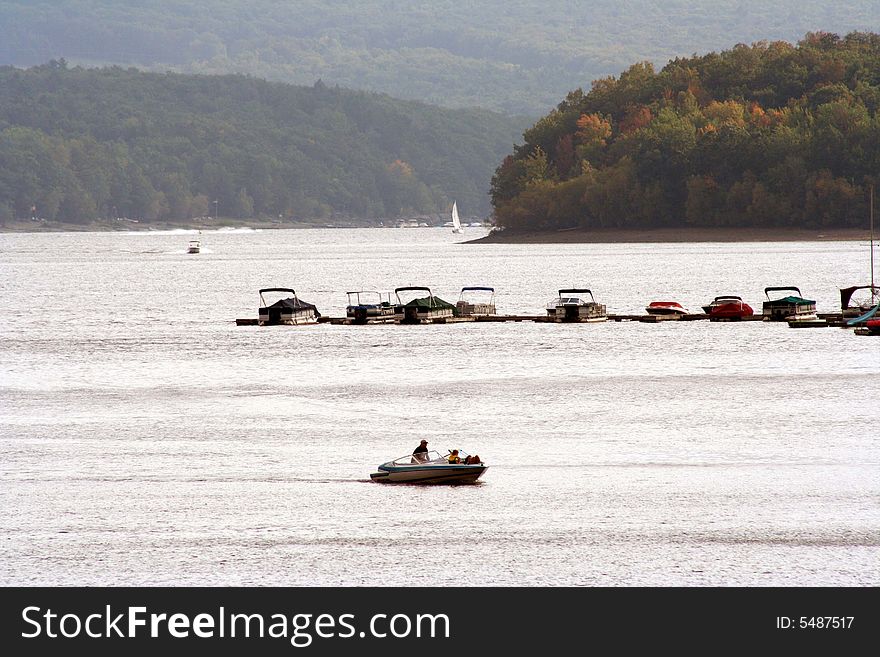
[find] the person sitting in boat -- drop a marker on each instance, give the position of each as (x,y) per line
(472,460)
(454,457)
(420,453)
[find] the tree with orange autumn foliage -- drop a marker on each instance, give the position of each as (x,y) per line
(772,134)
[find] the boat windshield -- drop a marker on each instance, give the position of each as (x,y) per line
(431,457)
(566,301)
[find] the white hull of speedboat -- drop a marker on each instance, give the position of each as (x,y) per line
(432,474)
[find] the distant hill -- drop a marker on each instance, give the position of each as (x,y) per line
(768,135)
(85,143)
(516,56)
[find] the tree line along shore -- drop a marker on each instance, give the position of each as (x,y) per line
(769,136)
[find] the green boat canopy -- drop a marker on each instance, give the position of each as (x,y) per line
(429,303)
(795,300)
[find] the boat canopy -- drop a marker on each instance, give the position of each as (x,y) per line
(375,298)
(768,290)
(429,301)
(292,302)
(846,293)
(571,296)
(477,288)
(793,300)
(727,297)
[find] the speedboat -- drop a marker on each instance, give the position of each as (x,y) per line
(286,310)
(366,305)
(728,307)
(665,308)
(573,306)
(419,308)
(481,303)
(789,307)
(429,468)
(194,246)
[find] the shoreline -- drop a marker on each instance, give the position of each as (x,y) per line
(658,235)
(578,236)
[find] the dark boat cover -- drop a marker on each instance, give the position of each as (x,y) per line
(294,304)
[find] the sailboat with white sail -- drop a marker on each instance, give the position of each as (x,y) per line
(456,222)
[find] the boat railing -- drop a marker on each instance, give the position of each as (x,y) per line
(277,290)
(374,298)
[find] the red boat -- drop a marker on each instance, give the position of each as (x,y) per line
(728,307)
(666,308)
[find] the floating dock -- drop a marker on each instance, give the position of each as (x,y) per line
(831,319)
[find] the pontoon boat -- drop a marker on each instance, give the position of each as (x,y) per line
(419,308)
(573,306)
(789,307)
(482,303)
(286,310)
(365,305)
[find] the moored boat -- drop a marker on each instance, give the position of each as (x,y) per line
(366,305)
(665,308)
(727,307)
(858,299)
(456,222)
(572,305)
(420,308)
(475,301)
(286,310)
(789,307)
(429,468)
(871,327)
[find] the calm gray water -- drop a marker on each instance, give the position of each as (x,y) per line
(147,440)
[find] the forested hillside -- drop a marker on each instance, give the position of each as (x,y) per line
(86,143)
(772,134)
(517,56)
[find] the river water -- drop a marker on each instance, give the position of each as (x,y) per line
(145,439)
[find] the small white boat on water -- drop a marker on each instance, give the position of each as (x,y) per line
(194,246)
(429,468)
(574,306)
